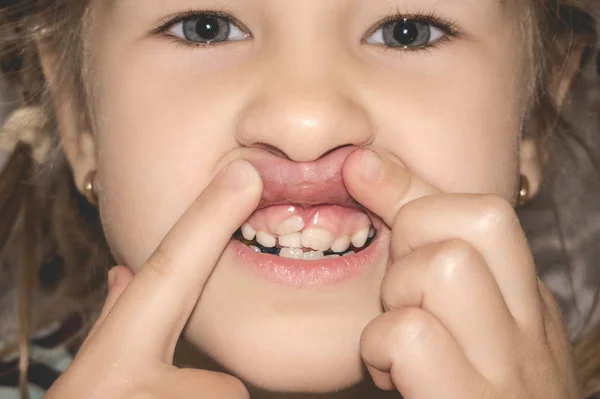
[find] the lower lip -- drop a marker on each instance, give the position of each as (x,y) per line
(313,273)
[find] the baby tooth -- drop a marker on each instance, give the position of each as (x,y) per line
(371,232)
(360,238)
(313,255)
(317,239)
(254,248)
(332,256)
(292,253)
(349,253)
(290,225)
(266,239)
(293,240)
(341,244)
(248,232)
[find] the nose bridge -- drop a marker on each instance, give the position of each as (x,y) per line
(303,107)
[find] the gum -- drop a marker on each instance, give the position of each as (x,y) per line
(337,220)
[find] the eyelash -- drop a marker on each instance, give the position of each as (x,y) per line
(173,20)
(449,28)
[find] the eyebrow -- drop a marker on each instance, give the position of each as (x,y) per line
(111,3)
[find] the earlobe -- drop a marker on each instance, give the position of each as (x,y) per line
(530,166)
(77,140)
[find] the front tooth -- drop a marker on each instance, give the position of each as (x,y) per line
(265,239)
(293,240)
(317,239)
(248,232)
(292,253)
(290,225)
(360,238)
(341,244)
(312,255)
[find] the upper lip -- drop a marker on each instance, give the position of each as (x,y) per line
(304,184)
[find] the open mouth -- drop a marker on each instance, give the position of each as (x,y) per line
(307,233)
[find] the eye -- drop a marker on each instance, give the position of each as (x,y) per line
(206,29)
(407,33)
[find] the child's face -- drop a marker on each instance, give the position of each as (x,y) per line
(309,79)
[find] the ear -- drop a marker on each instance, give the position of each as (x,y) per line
(531,166)
(565,74)
(77,140)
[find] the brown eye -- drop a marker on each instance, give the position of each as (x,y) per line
(207,29)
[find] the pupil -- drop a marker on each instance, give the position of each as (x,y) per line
(406,32)
(207,27)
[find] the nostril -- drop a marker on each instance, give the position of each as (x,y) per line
(271,149)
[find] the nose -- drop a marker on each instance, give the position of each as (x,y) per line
(303,114)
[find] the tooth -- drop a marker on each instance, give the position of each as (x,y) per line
(293,240)
(290,225)
(341,244)
(317,239)
(360,238)
(265,239)
(332,256)
(292,253)
(312,255)
(371,232)
(349,253)
(254,248)
(248,232)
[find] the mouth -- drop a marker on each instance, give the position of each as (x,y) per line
(307,229)
(307,233)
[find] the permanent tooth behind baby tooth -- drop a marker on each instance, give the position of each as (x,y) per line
(313,255)
(349,253)
(317,239)
(341,244)
(360,238)
(255,248)
(266,239)
(290,225)
(248,232)
(371,232)
(292,253)
(293,240)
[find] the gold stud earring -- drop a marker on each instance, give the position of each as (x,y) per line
(89,191)
(524,191)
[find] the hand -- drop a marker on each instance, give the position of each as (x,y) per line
(129,353)
(466,316)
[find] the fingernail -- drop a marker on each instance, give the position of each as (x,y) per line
(371,167)
(239,175)
(112,278)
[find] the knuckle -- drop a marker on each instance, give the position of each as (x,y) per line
(412,328)
(494,212)
(454,262)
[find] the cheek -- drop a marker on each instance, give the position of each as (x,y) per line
(455,123)
(159,146)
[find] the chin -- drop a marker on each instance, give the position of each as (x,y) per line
(310,356)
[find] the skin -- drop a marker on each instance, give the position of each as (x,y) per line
(463,314)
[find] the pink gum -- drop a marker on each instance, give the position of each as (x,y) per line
(337,220)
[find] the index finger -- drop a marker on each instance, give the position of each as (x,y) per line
(382,186)
(152,312)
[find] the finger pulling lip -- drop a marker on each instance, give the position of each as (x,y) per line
(319,182)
